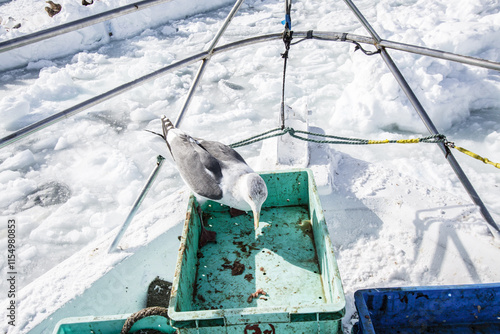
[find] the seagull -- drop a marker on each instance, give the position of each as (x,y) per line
(215,171)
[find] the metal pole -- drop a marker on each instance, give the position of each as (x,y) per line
(363,21)
(30,129)
(137,203)
(495,230)
(226,23)
(337,36)
(194,84)
(441,54)
(78,24)
(204,63)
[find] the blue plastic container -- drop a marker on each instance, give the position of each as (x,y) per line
(437,309)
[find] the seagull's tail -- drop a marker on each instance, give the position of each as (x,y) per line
(166,125)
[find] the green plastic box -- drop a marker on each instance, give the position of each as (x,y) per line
(289,258)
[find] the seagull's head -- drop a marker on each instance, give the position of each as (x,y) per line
(255,193)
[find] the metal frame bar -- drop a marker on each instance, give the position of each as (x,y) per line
(35,127)
(190,94)
(137,204)
(495,230)
(337,36)
(204,63)
(441,54)
(329,36)
(78,24)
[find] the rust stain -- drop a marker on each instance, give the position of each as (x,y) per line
(188,215)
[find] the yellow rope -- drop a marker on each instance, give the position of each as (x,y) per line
(400,141)
(417,140)
(478,157)
(408,141)
(379,141)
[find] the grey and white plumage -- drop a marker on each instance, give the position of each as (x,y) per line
(215,171)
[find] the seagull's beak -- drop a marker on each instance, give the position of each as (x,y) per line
(256,218)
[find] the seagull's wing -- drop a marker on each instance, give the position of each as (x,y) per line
(200,169)
(221,152)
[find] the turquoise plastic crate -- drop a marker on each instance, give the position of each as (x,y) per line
(292,261)
(110,325)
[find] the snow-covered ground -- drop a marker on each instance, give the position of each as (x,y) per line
(396,213)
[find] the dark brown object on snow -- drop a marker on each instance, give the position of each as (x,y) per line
(54,9)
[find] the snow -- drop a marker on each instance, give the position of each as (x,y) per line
(396,213)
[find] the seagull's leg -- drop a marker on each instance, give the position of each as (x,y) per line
(206,236)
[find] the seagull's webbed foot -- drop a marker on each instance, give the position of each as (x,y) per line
(235,212)
(206,236)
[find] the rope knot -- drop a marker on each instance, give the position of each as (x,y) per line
(289,130)
(287,39)
(441,137)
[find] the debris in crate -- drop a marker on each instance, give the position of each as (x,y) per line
(255,295)
(237,268)
(246,248)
